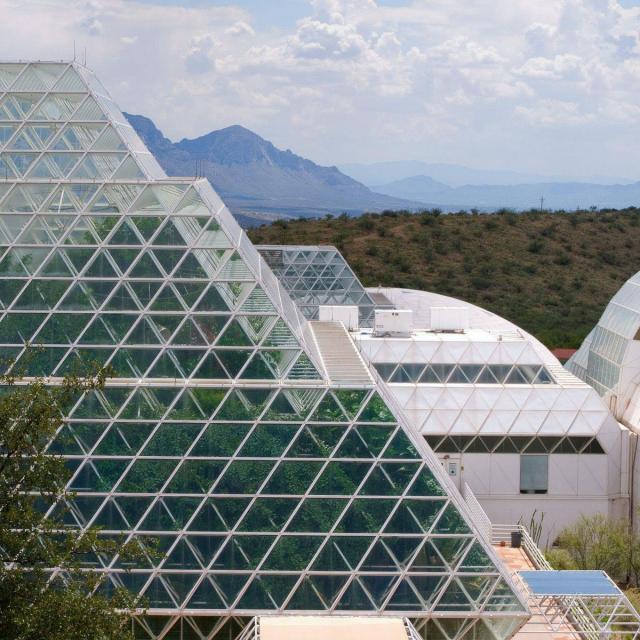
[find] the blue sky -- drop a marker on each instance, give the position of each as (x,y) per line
(275,13)
(548,86)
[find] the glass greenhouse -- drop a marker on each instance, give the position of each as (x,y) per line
(314,276)
(600,359)
(270,487)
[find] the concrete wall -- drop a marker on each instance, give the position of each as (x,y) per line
(578,485)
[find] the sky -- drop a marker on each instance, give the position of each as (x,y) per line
(544,86)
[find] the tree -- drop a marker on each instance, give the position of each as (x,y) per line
(43,591)
(596,542)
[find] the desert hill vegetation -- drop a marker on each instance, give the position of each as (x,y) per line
(551,273)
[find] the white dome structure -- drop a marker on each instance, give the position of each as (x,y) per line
(501,412)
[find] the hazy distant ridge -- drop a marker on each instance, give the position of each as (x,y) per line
(451,186)
(454,175)
(551,195)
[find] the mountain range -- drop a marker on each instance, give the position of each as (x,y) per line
(258,181)
(550,195)
(455,175)
(261,183)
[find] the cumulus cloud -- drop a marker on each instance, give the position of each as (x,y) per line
(240,28)
(539,38)
(554,112)
(461,51)
(447,80)
(200,56)
(316,39)
(92,26)
(561,67)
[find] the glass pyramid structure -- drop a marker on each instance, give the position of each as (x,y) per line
(250,482)
(315,276)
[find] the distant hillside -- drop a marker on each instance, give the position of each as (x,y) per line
(557,195)
(254,177)
(423,186)
(551,273)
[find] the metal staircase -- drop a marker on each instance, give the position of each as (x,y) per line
(340,358)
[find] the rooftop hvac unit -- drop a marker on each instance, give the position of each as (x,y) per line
(348,315)
(450,319)
(393,322)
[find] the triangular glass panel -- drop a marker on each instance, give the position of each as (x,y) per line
(329,411)
(167,300)
(415,516)
(77,137)
(355,598)
(147,225)
(192,267)
(97,166)
(376,411)
(146,267)
(476,560)
(158,596)
(451,522)
(378,587)
(124,439)
(190,292)
(220,440)
(108,140)
(454,598)
(8,73)
(125,234)
(39,77)
(219,514)
(70,81)
(243,552)
(206,596)
(307,597)
(88,111)
(281,336)
(233,360)
(129,170)
(212,301)
(317,515)
(230,585)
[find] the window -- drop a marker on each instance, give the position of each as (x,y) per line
(534,473)
(514,444)
(440,373)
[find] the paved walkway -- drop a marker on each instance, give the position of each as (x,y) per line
(537,628)
(515,559)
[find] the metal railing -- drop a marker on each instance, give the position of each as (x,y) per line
(410,630)
(251,631)
(501,533)
(480,517)
(577,615)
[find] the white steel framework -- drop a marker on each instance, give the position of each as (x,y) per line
(218,439)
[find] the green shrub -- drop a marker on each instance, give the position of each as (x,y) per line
(535,246)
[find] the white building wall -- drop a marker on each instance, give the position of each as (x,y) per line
(577,486)
(564,475)
(558,512)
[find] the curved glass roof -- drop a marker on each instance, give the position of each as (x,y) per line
(599,359)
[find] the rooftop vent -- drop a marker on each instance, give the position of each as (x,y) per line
(449,319)
(396,322)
